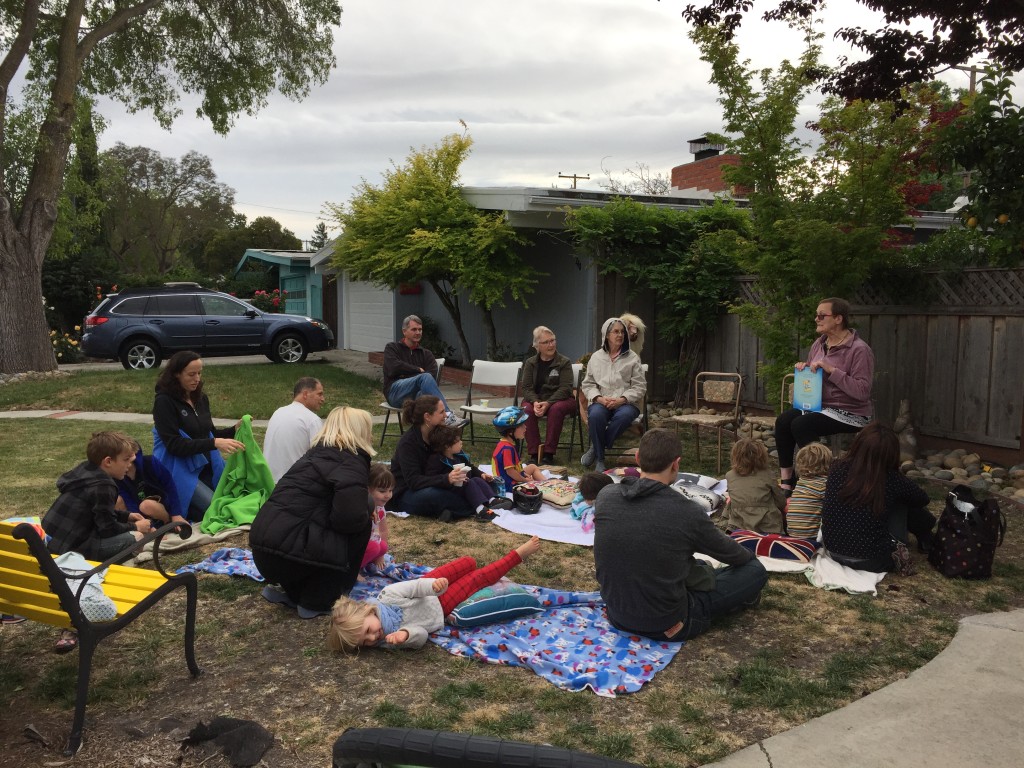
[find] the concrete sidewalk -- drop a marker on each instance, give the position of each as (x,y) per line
(963,708)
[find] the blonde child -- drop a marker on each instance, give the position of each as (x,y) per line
(803,512)
(589,486)
(446,444)
(404,613)
(755,499)
(381,486)
(505,463)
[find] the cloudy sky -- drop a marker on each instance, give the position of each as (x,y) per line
(546,86)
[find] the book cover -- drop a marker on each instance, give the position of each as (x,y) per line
(807,389)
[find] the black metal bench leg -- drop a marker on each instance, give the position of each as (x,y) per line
(86,649)
(191,593)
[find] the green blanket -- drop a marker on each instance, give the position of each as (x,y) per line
(244,485)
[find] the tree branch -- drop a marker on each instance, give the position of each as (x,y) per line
(114,24)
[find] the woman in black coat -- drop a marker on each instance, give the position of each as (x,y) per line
(311,533)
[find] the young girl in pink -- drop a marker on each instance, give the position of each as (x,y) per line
(381,486)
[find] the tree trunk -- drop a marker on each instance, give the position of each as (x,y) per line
(451,305)
(691,356)
(26,338)
(492,335)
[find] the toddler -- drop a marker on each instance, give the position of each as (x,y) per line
(586,494)
(381,485)
(755,501)
(803,512)
(446,444)
(511,424)
(404,613)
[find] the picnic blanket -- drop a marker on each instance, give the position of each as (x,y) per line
(571,644)
(244,485)
(823,572)
(227,561)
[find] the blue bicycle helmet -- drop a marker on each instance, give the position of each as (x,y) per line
(509,417)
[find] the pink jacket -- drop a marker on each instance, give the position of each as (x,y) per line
(848,387)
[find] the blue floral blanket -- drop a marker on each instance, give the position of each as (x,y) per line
(571,644)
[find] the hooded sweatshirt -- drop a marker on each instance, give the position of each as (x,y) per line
(645,537)
(84,512)
(621,377)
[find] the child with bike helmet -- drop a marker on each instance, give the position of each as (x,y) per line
(505,462)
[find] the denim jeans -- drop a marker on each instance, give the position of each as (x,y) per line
(606,425)
(110,546)
(736,587)
(201,499)
(413,387)
(429,502)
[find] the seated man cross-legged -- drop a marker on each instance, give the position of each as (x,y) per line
(646,535)
(409,370)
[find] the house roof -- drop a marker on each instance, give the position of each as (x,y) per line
(281,258)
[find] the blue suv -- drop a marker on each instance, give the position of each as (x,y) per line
(139,326)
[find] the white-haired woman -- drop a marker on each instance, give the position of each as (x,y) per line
(547,393)
(614,387)
(311,533)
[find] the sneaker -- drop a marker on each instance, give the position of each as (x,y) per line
(445,516)
(486,516)
(10,618)
(587,458)
(549,458)
(501,502)
(278,596)
(309,613)
(451,420)
(599,465)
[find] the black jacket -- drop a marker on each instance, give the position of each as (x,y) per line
(84,512)
(317,510)
(400,362)
(171,414)
(409,466)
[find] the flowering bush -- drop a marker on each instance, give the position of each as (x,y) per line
(65,345)
(269,301)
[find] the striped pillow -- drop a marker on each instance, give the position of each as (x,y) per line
(776,545)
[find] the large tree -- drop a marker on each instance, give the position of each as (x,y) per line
(231,53)
(962,31)
(416,226)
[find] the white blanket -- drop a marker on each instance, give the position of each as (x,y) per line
(823,572)
(550,523)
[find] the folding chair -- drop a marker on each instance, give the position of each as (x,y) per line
(715,388)
(641,423)
(397,409)
(768,422)
(487,373)
(575,425)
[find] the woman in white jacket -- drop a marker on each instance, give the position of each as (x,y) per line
(614,387)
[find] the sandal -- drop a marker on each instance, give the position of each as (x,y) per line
(486,515)
(67,641)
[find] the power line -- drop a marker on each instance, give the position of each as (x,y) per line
(275,208)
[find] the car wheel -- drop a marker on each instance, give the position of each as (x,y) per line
(290,349)
(139,354)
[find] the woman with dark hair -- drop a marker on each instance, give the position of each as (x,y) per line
(614,388)
(184,438)
(870,506)
(848,365)
(416,492)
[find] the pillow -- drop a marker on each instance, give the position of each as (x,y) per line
(493,605)
(776,545)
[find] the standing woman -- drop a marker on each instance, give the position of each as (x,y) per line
(184,438)
(870,506)
(416,492)
(614,387)
(848,365)
(547,393)
(311,534)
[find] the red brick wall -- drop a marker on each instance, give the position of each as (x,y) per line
(705,174)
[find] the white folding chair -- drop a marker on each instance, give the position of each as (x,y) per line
(397,409)
(487,373)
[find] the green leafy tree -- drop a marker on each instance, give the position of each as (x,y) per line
(416,226)
(144,54)
(687,258)
(320,236)
(156,203)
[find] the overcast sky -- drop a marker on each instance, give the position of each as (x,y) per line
(546,86)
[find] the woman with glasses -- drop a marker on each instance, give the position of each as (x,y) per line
(547,394)
(848,365)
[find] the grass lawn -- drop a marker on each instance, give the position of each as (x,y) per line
(802,653)
(234,390)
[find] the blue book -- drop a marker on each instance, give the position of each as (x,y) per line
(807,389)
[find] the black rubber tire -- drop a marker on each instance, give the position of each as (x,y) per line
(289,348)
(442,749)
(140,354)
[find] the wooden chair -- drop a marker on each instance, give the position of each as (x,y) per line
(785,396)
(487,373)
(397,409)
(31,585)
(714,388)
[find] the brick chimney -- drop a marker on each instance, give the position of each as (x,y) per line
(704,174)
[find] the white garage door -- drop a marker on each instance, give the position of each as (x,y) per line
(368,316)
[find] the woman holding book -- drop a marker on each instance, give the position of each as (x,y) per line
(848,366)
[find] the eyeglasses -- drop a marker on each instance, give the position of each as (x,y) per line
(548,341)
(822,316)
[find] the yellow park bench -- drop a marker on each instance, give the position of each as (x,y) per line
(31,585)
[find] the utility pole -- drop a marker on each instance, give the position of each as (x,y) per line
(574,178)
